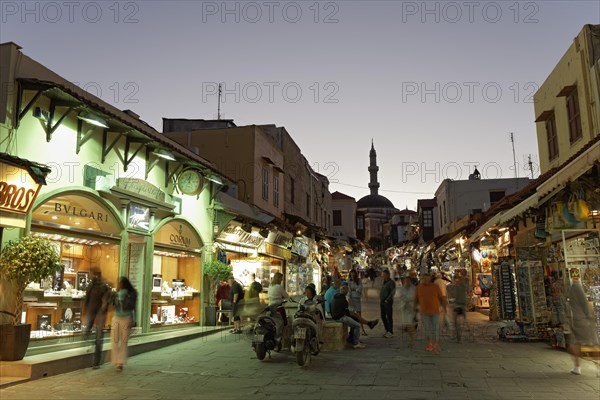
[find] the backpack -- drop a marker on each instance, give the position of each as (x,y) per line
(130,301)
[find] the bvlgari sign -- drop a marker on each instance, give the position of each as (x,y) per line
(18,190)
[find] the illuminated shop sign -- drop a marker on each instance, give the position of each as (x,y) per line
(177,233)
(18,190)
(139,217)
(235,234)
(63,208)
(141,187)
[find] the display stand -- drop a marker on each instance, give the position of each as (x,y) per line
(503,281)
(532,306)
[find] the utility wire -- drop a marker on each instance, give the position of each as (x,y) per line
(381,190)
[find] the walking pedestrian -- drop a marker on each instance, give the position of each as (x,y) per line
(255,288)
(236,295)
(442,284)
(582,325)
(461,301)
(97,298)
(355,294)
(125,302)
(406,303)
(386,302)
(429,300)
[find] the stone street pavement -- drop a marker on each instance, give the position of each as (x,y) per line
(223,366)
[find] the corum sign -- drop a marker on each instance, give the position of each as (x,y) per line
(18,190)
(177,233)
(178,239)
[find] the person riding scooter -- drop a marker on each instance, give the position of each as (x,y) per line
(277,295)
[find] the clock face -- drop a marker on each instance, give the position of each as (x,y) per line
(190,182)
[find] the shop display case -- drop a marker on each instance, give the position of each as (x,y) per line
(175,297)
(55,307)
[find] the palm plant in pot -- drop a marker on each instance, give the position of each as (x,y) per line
(216,271)
(29,259)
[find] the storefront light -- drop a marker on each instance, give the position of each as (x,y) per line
(93,120)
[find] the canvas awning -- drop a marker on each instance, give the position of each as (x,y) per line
(569,172)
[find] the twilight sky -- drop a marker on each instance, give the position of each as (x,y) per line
(439,86)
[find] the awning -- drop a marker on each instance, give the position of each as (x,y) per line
(570,172)
(520,208)
(490,223)
(238,207)
(505,216)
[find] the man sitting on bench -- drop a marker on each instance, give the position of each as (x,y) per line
(340,312)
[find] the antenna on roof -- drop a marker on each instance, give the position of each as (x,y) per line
(530,165)
(512,140)
(219,104)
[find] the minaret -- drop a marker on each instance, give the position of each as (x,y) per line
(373,168)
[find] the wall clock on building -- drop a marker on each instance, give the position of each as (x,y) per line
(190,182)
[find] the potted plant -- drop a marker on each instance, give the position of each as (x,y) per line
(29,259)
(216,271)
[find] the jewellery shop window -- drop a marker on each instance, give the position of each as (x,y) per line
(176,271)
(54,306)
(87,236)
(175,283)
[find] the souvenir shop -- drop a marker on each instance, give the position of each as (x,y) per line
(573,246)
(238,245)
(302,268)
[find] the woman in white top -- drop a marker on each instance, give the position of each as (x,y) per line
(277,294)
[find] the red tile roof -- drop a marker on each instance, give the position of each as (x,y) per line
(340,196)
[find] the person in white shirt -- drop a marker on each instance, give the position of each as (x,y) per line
(277,294)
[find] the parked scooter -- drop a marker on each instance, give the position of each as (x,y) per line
(308,327)
(268,331)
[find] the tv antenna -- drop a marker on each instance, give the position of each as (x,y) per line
(530,165)
(219,104)
(512,141)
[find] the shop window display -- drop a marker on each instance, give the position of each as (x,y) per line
(175,294)
(54,307)
(263,267)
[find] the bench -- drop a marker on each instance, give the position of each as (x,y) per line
(334,336)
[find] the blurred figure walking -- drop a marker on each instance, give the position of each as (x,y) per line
(429,299)
(97,298)
(386,301)
(125,301)
(582,325)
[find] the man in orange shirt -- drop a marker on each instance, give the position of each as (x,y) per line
(429,299)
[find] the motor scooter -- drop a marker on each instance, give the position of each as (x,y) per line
(268,331)
(308,327)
